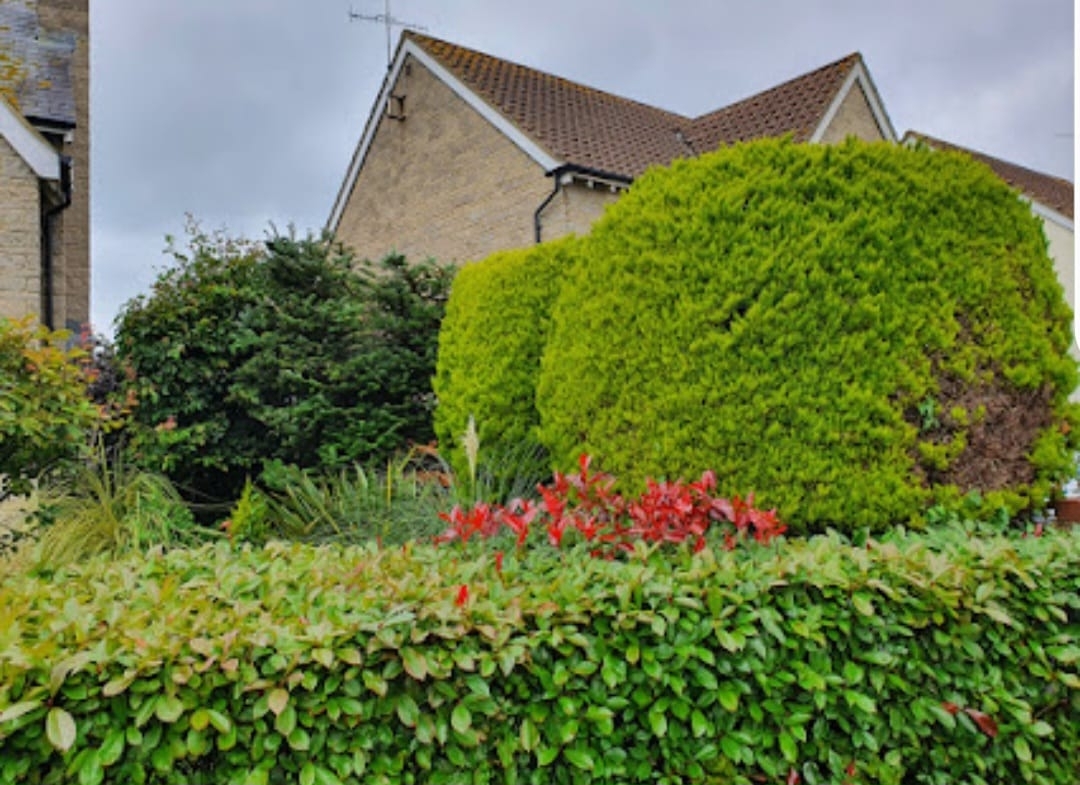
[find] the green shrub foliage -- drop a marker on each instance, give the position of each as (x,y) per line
(45,413)
(853,332)
(284,351)
(945,659)
(490,345)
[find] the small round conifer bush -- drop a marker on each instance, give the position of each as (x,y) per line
(855,333)
(490,343)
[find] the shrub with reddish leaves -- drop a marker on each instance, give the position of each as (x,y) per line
(586,502)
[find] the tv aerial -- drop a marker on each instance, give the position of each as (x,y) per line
(389,21)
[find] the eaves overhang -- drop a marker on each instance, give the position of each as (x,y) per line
(30,145)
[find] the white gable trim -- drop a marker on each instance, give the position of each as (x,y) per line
(409,47)
(28,143)
(858,75)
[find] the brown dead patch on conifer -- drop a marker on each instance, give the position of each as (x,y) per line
(1003,424)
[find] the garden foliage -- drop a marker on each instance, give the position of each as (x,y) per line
(45,415)
(490,345)
(247,353)
(857,333)
(926,659)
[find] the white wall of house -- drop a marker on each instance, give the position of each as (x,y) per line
(1063,252)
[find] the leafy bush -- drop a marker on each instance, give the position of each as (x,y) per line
(45,415)
(921,660)
(586,506)
(490,345)
(244,354)
(856,332)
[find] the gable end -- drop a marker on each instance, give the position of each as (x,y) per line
(406,49)
(858,78)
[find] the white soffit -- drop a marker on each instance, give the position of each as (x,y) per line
(489,113)
(28,143)
(858,75)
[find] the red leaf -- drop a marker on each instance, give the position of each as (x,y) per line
(556,529)
(462,596)
(950,707)
(793,778)
(850,769)
(498,561)
(984,721)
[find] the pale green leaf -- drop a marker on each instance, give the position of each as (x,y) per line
(60,729)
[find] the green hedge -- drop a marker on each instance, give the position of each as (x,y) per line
(492,336)
(854,332)
(912,661)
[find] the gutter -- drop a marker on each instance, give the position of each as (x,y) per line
(48,217)
(570,170)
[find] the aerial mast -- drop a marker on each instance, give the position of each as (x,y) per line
(388,20)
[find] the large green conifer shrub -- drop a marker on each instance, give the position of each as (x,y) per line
(854,333)
(493,334)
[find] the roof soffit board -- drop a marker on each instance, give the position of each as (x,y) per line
(408,47)
(31,146)
(860,76)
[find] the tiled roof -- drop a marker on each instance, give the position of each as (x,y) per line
(1053,192)
(796,107)
(592,128)
(35,64)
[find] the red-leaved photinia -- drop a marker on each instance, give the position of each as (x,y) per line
(586,502)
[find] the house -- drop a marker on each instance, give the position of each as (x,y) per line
(465,153)
(45,161)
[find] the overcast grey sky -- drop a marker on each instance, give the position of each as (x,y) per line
(245,112)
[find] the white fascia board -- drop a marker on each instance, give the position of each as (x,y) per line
(1049,214)
(31,146)
(489,113)
(860,75)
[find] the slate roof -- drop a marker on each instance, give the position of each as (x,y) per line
(592,128)
(35,65)
(1053,192)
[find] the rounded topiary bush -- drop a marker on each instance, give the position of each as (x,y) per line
(855,333)
(490,343)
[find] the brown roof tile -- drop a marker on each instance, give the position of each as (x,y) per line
(1053,192)
(795,107)
(592,128)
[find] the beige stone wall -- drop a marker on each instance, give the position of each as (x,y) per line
(71,260)
(853,118)
(575,209)
(20,236)
(442,183)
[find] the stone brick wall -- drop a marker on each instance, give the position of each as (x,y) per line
(71,260)
(20,236)
(853,118)
(575,209)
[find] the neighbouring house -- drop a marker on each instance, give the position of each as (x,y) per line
(465,153)
(45,161)
(1051,199)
